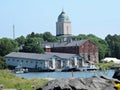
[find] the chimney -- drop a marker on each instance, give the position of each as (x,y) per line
(47,48)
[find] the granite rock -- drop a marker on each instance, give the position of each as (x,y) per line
(92,83)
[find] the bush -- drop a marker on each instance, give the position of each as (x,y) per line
(3,64)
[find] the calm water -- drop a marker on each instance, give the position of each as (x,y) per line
(85,74)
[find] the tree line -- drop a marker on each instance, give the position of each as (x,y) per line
(30,43)
(108,47)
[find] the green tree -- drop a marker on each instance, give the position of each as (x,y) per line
(35,35)
(7,46)
(3,64)
(33,48)
(20,40)
(32,45)
(79,37)
(47,36)
(114,45)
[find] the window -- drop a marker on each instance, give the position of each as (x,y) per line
(36,62)
(13,60)
(26,61)
(41,63)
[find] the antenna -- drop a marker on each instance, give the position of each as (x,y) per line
(13,32)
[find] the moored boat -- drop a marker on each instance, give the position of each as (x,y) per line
(68,69)
(89,68)
(19,69)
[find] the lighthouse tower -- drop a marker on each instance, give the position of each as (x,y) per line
(63,25)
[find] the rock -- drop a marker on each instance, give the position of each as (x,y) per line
(117,74)
(92,83)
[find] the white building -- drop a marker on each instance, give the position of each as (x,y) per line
(43,61)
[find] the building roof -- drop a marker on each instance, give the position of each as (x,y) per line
(76,43)
(63,17)
(63,44)
(29,55)
(35,56)
(61,55)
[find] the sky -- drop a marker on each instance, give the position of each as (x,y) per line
(98,17)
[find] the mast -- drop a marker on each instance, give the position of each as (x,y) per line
(13,32)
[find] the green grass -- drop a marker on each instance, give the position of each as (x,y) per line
(9,80)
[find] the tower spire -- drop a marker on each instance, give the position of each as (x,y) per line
(63,9)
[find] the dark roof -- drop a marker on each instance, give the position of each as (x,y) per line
(35,56)
(61,55)
(29,55)
(76,43)
(63,44)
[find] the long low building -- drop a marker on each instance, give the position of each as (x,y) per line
(44,61)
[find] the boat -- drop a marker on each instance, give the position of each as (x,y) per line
(47,70)
(19,69)
(89,68)
(68,69)
(58,70)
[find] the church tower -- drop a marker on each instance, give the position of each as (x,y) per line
(63,25)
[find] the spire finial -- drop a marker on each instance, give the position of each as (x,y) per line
(63,9)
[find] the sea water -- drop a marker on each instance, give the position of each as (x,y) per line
(79,74)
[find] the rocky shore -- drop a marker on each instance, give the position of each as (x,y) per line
(92,83)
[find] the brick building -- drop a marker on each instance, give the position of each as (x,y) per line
(84,48)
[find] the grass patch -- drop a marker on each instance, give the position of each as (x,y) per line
(105,66)
(9,80)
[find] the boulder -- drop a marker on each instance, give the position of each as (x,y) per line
(117,74)
(92,83)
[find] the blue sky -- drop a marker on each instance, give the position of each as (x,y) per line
(99,17)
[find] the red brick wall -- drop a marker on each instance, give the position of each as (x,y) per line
(88,50)
(88,47)
(72,49)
